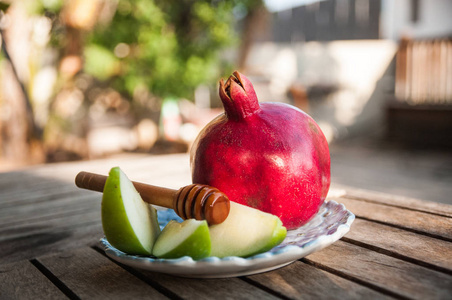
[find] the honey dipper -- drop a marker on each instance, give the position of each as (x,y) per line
(196,201)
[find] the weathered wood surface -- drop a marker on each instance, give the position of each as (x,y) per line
(424,250)
(426,223)
(398,201)
(302,281)
(89,275)
(382,272)
(190,288)
(22,280)
(49,231)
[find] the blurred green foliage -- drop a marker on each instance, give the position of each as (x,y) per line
(168,46)
(98,56)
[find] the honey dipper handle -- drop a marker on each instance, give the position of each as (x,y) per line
(151,194)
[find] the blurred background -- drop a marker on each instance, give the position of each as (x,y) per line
(87,79)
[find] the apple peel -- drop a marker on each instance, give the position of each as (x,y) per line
(189,238)
(129,223)
(246,232)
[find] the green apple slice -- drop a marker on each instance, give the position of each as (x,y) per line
(189,238)
(129,223)
(245,232)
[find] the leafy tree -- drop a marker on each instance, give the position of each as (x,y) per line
(165,48)
(168,46)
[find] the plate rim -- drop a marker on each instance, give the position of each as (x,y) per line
(277,257)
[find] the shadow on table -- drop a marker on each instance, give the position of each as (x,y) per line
(43,213)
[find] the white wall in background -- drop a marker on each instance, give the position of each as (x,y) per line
(435,19)
(357,68)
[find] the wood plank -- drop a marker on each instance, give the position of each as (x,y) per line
(397,201)
(169,165)
(14,195)
(62,221)
(421,249)
(49,241)
(49,209)
(90,275)
(29,196)
(67,170)
(190,288)
(302,281)
(395,276)
(401,70)
(367,164)
(434,225)
(53,213)
(57,180)
(22,280)
(24,181)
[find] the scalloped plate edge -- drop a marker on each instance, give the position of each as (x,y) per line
(232,266)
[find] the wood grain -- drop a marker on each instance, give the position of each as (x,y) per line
(397,201)
(63,221)
(383,272)
(397,246)
(27,195)
(91,275)
(422,249)
(303,281)
(422,71)
(48,241)
(427,223)
(189,288)
(21,280)
(35,183)
(50,210)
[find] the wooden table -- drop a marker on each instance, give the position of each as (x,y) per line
(49,244)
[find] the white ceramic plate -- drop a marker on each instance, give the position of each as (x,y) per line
(331,223)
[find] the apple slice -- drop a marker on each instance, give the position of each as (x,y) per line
(245,232)
(189,238)
(129,223)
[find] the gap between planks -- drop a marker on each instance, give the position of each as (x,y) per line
(387,274)
(140,276)
(352,278)
(432,235)
(55,281)
(397,255)
(263,287)
(353,197)
(90,275)
(264,292)
(418,222)
(423,249)
(396,200)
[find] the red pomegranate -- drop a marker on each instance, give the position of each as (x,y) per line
(271,156)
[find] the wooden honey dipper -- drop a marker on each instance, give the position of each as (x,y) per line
(196,201)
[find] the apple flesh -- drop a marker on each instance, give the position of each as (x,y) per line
(129,223)
(270,156)
(245,232)
(189,238)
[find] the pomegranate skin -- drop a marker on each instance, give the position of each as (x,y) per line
(273,157)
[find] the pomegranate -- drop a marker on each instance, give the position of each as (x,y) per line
(270,156)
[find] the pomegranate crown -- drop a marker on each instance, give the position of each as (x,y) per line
(238,97)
